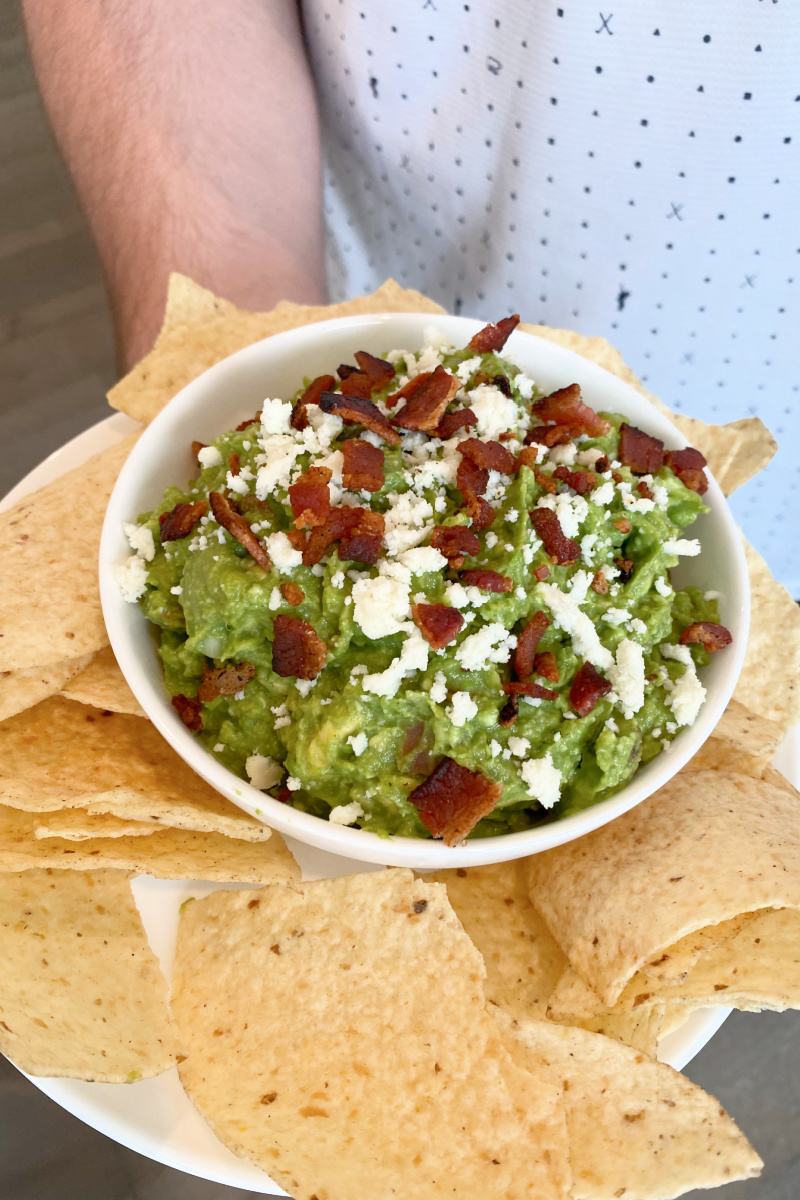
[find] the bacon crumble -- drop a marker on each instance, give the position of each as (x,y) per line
(189,711)
(452,800)
(545,481)
(297,539)
(234,466)
(377,370)
(426,406)
(224,681)
(292,593)
(362,541)
(358,531)
(310,498)
(707,634)
(439,623)
(688,465)
(487,581)
(455,542)
(541,572)
(480,512)
(599,584)
(197,447)
(299,417)
(566,407)
(297,650)
(546,665)
(580,481)
(227,516)
(516,688)
(248,422)
(407,390)
(639,451)
(472,481)
(181,520)
(354,410)
(509,712)
(356,384)
(551,435)
(493,337)
(556,543)
(625,567)
(588,687)
(363,466)
(462,418)
(527,643)
(490,456)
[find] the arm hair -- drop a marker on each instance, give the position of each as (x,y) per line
(191,132)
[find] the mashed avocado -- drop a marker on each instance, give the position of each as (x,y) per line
(387,707)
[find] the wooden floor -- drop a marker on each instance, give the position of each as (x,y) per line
(56,363)
(56,351)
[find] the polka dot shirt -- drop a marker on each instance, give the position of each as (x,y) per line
(631,173)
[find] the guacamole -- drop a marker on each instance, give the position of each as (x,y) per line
(563,668)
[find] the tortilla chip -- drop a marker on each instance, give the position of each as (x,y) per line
(49,542)
(338,1037)
(76,825)
(636,1127)
(103,685)
(573,1000)
(735,452)
(640,1030)
(190,304)
(718,755)
(746,730)
(62,754)
(678,960)
(675,1016)
(769,684)
(523,962)
(200,329)
(166,854)
(742,743)
(81,992)
(654,984)
(28,686)
(653,861)
(758,969)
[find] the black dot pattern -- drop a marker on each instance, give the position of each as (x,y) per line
(589,169)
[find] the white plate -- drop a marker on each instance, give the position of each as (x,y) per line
(154,1117)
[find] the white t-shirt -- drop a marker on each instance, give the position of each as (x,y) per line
(632,173)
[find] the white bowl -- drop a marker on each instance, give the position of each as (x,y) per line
(235,389)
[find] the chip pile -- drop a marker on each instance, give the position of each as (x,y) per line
(473,1033)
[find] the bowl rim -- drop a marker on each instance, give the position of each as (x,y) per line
(346,841)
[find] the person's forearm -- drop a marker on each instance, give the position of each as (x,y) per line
(190,129)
